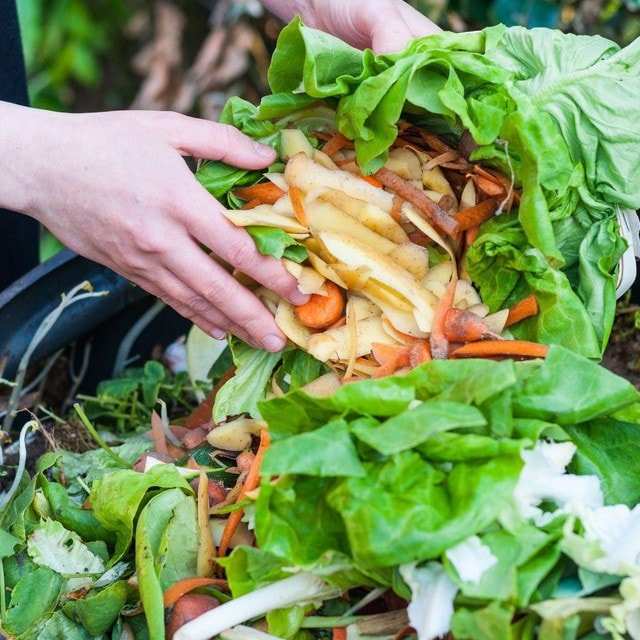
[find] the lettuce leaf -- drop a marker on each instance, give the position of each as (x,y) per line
(520,93)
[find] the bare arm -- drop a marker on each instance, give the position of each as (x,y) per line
(114,188)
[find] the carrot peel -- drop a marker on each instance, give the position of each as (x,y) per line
(525,308)
(320,312)
(501,348)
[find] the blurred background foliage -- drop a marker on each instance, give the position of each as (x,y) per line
(99,55)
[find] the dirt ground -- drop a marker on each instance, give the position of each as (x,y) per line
(623,352)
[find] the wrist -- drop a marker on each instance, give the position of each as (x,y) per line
(18,144)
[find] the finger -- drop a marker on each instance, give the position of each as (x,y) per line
(396,36)
(207,317)
(214,141)
(235,246)
(215,289)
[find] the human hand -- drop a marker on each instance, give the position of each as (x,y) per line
(114,188)
(382,25)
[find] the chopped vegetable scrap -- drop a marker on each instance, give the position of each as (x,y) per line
(388,247)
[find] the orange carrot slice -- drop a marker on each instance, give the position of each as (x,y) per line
(250,483)
(438,340)
(336,143)
(477,214)
(461,325)
(526,308)
(298,206)
(173,593)
(431,210)
(320,312)
(506,348)
(263,192)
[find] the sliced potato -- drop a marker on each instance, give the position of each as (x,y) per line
(439,276)
(413,258)
(307,175)
(236,434)
(323,216)
(323,159)
(323,386)
(277,178)
(468,196)
(357,254)
(362,307)
(264,216)
(496,321)
(289,324)
(417,219)
(292,142)
(355,279)
(383,295)
(325,270)
(335,344)
(404,163)
(283,206)
(309,280)
(368,214)
(435,180)
(465,295)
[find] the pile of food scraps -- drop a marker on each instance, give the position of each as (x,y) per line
(437,452)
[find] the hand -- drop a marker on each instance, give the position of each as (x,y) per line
(114,188)
(382,25)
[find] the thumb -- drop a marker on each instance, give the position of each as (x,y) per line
(215,141)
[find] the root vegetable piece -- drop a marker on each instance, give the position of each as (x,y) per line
(335,344)
(264,216)
(187,608)
(383,269)
(323,216)
(321,311)
(436,216)
(461,325)
(307,175)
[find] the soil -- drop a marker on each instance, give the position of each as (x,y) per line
(623,352)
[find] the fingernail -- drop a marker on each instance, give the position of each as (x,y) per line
(218,334)
(273,343)
(297,297)
(263,150)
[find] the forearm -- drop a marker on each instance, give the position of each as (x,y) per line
(15,150)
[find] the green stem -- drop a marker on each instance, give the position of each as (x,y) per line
(96,436)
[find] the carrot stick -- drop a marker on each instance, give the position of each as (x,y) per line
(298,206)
(371,180)
(321,311)
(525,308)
(339,633)
(265,192)
(384,352)
(477,214)
(431,210)
(337,142)
(438,340)
(252,204)
(250,483)
(508,348)
(470,235)
(435,142)
(461,325)
(419,353)
(185,585)
(157,433)
(490,187)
